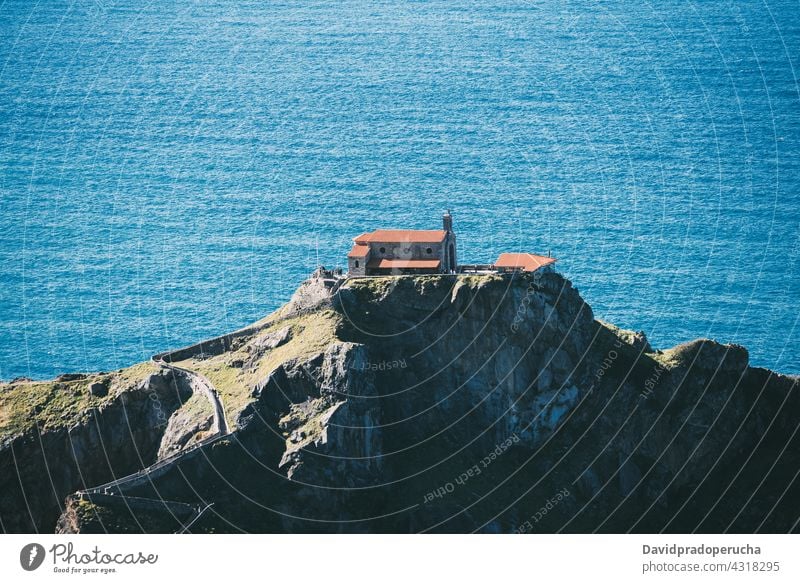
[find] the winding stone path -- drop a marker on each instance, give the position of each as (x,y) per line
(201,383)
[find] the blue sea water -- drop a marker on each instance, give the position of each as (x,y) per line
(172,170)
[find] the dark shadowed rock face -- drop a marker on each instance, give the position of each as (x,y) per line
(481,403)
(41,465)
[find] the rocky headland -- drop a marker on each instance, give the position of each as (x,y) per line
(448,403)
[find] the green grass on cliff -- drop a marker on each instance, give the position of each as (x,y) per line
(372,288)
(90,518)
(627,336)
(704,351)
(479,279)
(617,360)
(311,334)
(674,357)
(57,403)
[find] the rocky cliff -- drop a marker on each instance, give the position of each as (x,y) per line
(450,404)
(80,430)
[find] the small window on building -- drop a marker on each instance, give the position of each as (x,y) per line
(428,250)
(382,249)
(356,263)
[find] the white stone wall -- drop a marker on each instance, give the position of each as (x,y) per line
(357,265)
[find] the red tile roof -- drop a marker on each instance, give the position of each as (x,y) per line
(526,261)
(404,264)
(359,251)
(401,236)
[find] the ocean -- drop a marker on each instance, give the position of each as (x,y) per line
(171,171)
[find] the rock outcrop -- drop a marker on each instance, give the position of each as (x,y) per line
(466,403)
(59,450)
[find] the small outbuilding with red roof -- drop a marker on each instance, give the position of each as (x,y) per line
(508,262)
